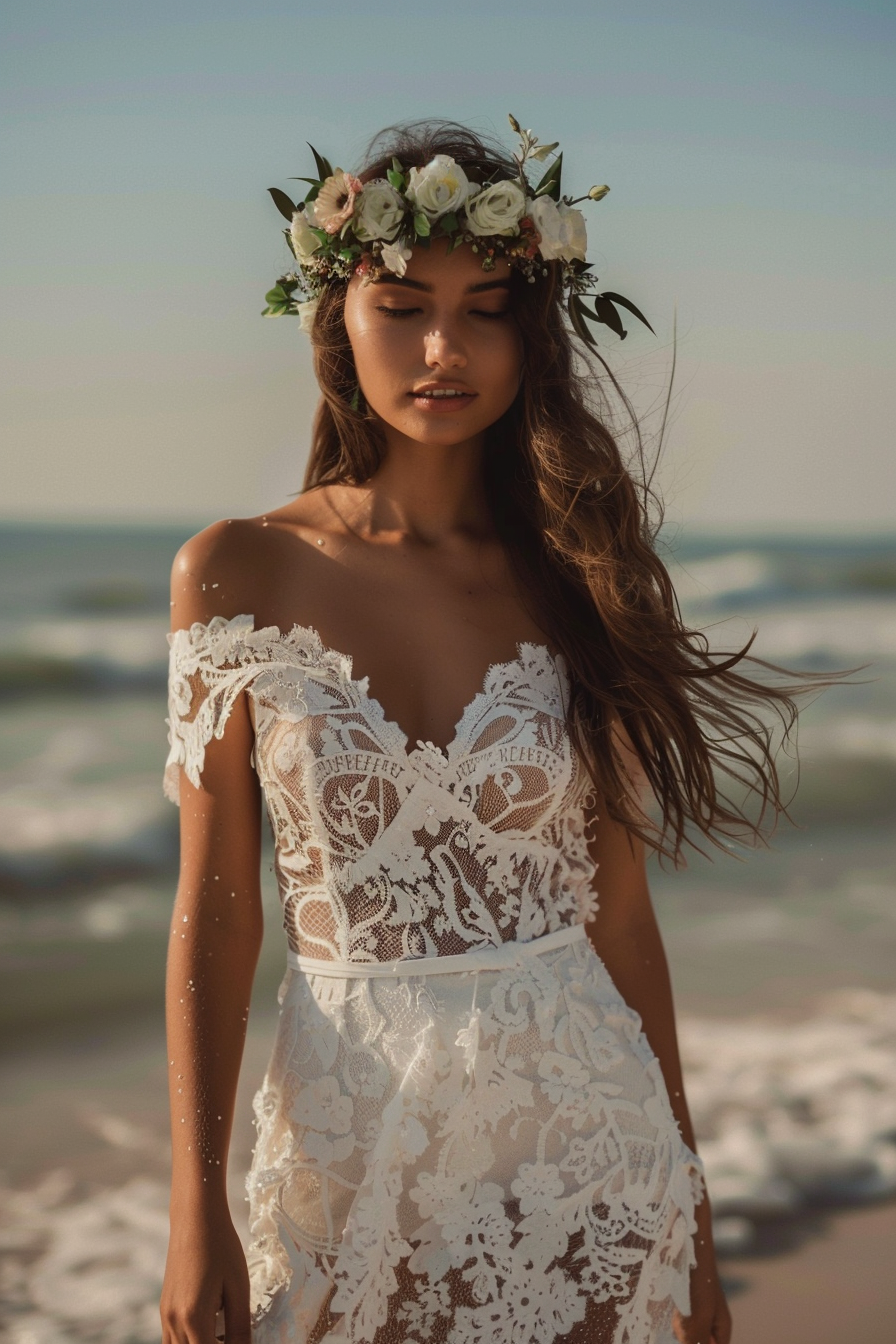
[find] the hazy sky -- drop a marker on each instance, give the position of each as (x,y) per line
(750,153)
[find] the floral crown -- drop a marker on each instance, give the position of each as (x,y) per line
(345,227)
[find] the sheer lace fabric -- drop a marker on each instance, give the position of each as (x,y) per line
(477,1156)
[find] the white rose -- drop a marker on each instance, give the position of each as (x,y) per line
(304,242)
(379,212)
(438,188)
(497,209)
(396,258)
(306,313)
(561,227)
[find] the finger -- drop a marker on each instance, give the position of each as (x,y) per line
(236,1316)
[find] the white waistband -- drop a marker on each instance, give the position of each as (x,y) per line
(479,959)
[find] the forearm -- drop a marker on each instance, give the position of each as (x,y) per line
(213,951)
(636,960)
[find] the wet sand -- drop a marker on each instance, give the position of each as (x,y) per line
(837,1285)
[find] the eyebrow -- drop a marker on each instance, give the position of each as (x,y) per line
(404,282)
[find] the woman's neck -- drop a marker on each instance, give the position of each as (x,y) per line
(423,493)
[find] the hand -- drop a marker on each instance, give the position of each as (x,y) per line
(206,1270)
(710,1319)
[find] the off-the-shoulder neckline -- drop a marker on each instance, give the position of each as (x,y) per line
(278,634)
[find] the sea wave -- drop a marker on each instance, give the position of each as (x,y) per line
(59,834)
(73,654)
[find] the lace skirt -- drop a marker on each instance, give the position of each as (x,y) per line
(478,1151)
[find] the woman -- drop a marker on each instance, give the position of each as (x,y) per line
(450,666)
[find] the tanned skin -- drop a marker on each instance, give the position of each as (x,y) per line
(407,575)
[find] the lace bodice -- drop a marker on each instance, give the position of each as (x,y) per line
(382,852)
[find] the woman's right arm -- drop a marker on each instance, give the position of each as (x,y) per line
(216,933)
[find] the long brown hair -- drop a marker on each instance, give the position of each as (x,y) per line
(580,527)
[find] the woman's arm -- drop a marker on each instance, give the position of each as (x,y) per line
(627,939)
(216,932)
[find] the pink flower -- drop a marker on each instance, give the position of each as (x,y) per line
(335,202)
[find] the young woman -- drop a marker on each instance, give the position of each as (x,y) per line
(451,667)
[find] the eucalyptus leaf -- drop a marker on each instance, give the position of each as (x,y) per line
(322,165)
(549,185)
(605,312)
(577,319)
(282,202)
(626,303)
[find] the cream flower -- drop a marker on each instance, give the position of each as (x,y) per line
(497,209)
(306,312)
(438,188)
(561,227)
(396,258)
(380,211)
(304,240)
(335,202)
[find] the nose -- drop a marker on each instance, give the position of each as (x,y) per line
(443,349)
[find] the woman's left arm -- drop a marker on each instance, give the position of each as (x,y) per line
(627,939)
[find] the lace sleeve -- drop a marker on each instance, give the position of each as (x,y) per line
(206,673)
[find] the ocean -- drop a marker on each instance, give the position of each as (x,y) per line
(782,958)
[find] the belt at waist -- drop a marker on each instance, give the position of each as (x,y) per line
(478,959)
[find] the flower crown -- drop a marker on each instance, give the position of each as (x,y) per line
(345,227)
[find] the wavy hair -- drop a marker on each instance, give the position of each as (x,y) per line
(580,526)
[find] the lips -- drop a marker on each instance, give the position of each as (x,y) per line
(435,398)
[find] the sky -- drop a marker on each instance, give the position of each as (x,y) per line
(750,154)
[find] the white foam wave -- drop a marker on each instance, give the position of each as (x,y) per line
(845,632)
(792,1114)
(854,735)
(722,576)
(128,645)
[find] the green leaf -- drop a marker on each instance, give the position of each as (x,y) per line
(550,183)
(455,243)
(315,182)
(396,179)
(276,295)
(356,398)
(322,165)
(276,310)
(576,317)
(605,312)
(282,202)
(396,165)
(320,234)
(625,303)
(449,223)
(421,225)
(313,193)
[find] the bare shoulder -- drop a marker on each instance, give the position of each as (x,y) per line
(238,566)
(216,572)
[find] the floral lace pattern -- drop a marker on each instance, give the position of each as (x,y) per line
(482,1157)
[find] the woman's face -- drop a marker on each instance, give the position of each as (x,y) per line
(445,324)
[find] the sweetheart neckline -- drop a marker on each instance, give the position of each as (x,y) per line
(442,754)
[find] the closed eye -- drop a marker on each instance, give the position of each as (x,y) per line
(397,312)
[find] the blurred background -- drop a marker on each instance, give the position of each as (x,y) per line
(750,154)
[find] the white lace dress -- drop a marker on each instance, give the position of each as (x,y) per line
(463,1134)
